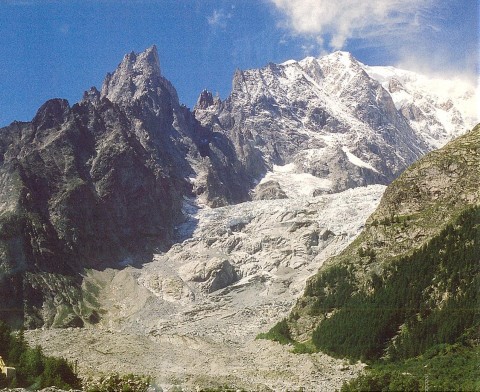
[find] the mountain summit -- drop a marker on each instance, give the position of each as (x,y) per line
(335,118)
(135,76)
(100,183)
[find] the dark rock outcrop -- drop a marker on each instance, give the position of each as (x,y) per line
(99,183)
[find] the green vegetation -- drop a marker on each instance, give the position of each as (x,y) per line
(331,289)
(428,298)
(280,333)
(34,370)
(415,320)
(441,368)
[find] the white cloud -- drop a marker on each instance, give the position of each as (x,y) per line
(344,19)
(219,18)
(415,34)
(308,49)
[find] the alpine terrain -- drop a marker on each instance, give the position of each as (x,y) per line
(408,284)
(167,238)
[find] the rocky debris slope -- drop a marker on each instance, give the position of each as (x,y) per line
(186,363)
(248,262)
(431,194)
(48,389)
(238,270)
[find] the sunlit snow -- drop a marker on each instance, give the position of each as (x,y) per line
(445,108)
(356,160)
(295,184)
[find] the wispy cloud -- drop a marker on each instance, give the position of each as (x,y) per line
(341,20)
(431,36)
(219,18)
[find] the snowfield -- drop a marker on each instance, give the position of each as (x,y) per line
(437,109)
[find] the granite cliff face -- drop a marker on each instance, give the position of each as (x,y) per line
(101,184)
(438,110)
(334,118)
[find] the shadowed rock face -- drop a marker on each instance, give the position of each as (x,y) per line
(101,184)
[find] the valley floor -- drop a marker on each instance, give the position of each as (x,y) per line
(188,362)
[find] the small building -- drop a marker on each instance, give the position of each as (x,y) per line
(8,371)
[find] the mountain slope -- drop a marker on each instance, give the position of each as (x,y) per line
(437,109)
(100,183)
(413,270)
(329,117)
(130,175)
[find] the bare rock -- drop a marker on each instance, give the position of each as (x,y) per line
(269,190)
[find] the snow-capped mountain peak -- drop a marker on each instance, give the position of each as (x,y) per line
(320,113)
(310,112)
(437,109)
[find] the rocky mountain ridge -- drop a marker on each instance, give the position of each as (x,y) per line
(438,110)
(119,212)
(100,184)
(331,117)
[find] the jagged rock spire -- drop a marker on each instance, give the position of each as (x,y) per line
(135,76)
(204,100)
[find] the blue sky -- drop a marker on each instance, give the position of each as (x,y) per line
(59,48)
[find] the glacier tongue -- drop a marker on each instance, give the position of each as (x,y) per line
(239,272)
(296,184)
(260,251)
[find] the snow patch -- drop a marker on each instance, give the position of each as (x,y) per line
(356,160)
(288,168)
